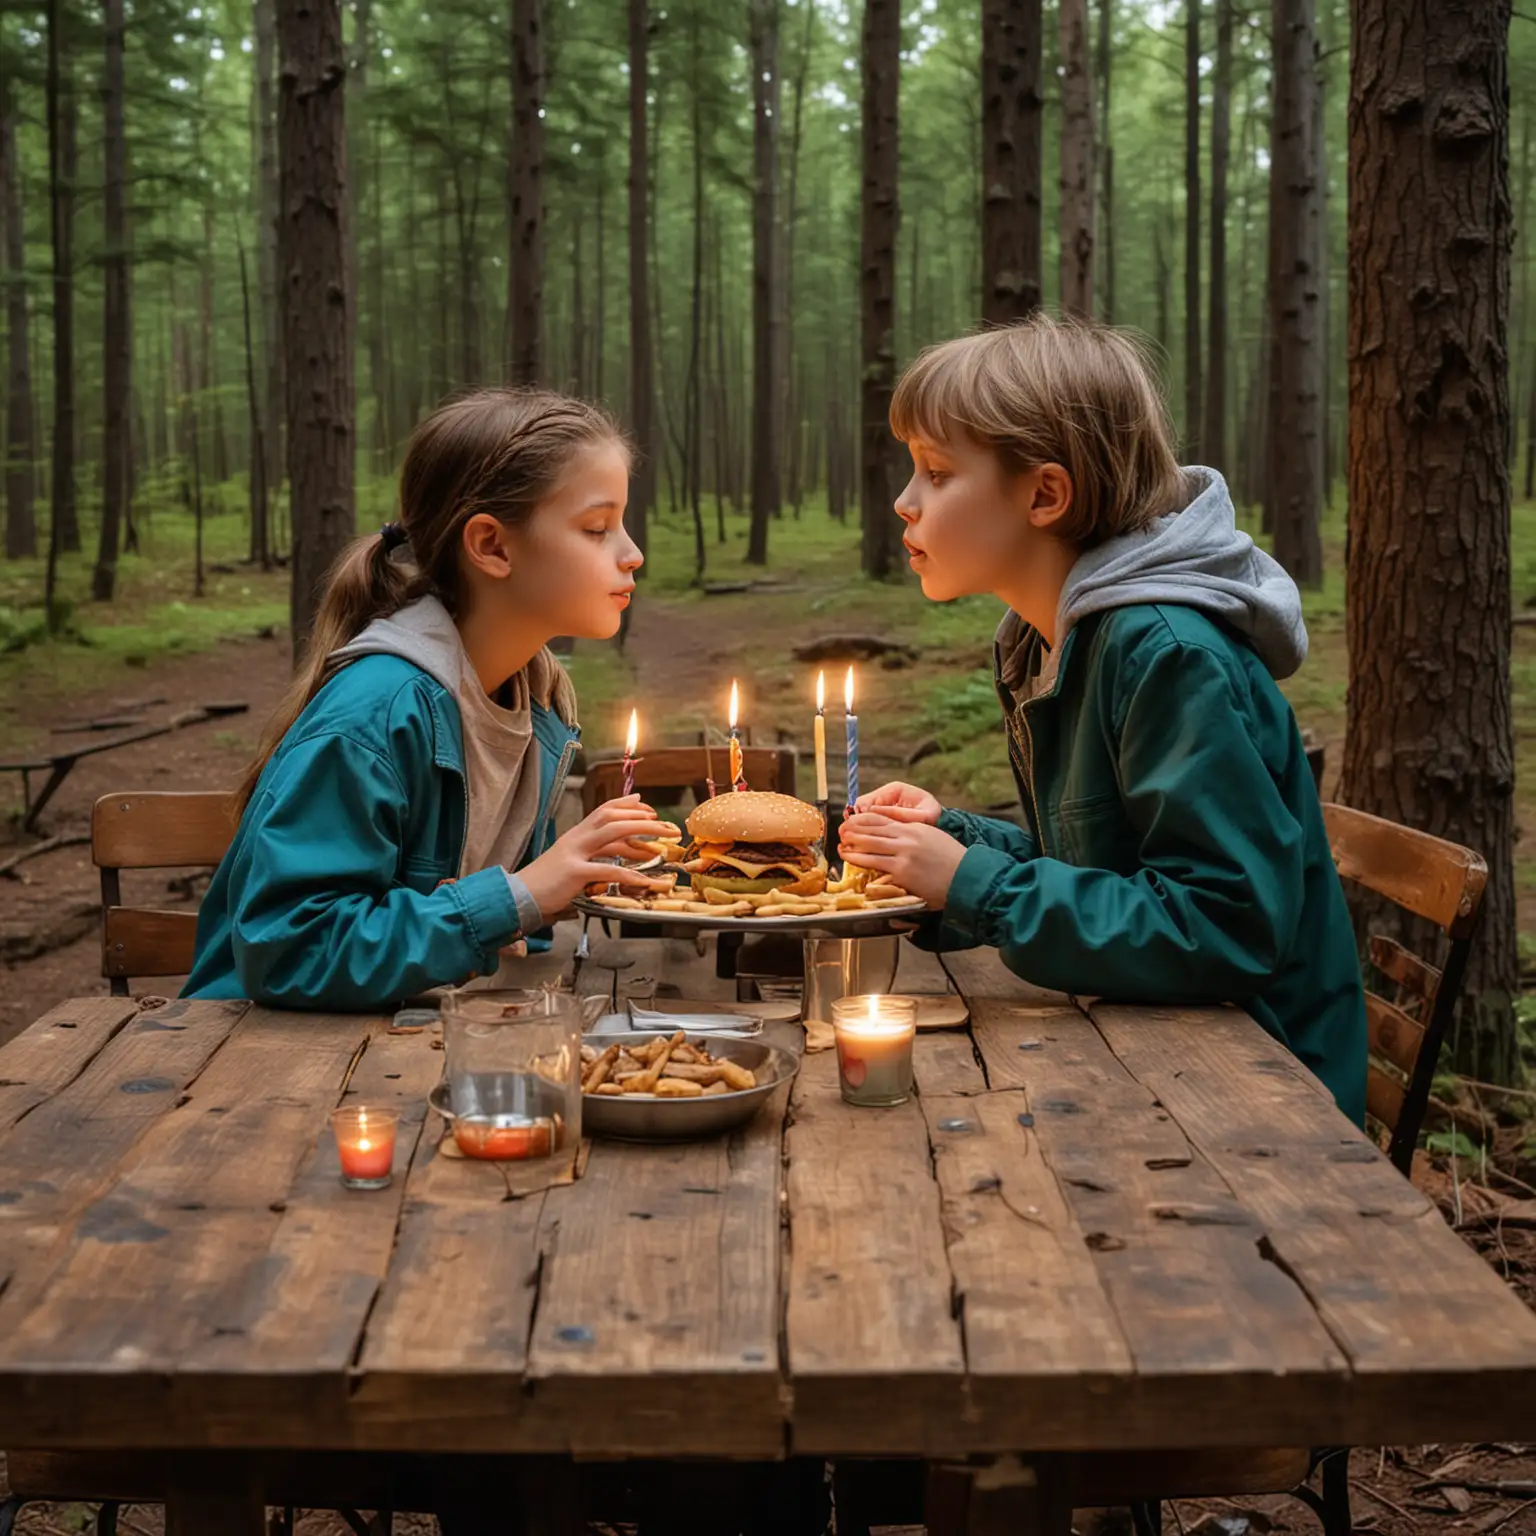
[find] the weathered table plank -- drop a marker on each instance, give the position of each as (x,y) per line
(874,1350)
(51,1053)
(1373,1255)
(1224,1342)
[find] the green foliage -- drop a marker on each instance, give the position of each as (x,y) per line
(1451,1144)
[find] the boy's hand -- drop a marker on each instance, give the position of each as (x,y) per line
(561,874)
(916,855)
(902,802)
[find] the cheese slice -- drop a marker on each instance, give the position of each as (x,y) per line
(744,867)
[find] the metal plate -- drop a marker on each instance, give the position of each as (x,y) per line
(631,1117)
(876,924)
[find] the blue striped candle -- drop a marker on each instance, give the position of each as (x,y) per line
(853,743)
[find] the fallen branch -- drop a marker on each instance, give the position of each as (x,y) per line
(48,845)
(1517,1489)
(1387,1503)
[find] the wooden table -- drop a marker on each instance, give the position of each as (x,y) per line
(1095,1228)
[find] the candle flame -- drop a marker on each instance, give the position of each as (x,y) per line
(821,691)
(735,704)
(365,1145)
(633,739)
(873,1008)
(848,691)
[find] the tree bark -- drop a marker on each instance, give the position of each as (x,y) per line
(116,338)
(1077,161)
(693,465)
(266,245)
(64,535)
(317,304)
(1213,443)
(261,549)
(1294,479)
(1192,356)
(1011,153)
(1106,210)
(792,422)
(642,371)
(880,203)
(1431,738)
(20,439)
(767,361)
(525,194)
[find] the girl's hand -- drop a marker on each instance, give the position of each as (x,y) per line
(915,854)
(902,802)
(556,878)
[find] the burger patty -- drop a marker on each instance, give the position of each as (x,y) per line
(794,855)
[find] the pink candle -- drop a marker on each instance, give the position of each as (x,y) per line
(365,1143)
(631,742)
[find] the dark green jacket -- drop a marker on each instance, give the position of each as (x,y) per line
(1175,850)
(339,890)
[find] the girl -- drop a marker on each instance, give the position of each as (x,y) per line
(421,753)
(1174,847)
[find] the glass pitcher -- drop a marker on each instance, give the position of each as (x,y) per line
(514,1070)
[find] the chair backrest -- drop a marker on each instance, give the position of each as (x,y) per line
(1443,883)
(671,773)
(153,830)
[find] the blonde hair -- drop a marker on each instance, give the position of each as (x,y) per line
(1054,391)
(499,450)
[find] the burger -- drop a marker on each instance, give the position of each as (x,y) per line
(749,842)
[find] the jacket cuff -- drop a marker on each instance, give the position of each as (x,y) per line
(487,905)
(971,890)
(529,918)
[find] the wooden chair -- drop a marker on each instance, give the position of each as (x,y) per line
(153,831)
(671,774)
(1442,883)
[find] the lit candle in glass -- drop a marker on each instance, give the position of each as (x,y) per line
(630,743)
(853,744)
(821,739)
(738,774)
(874,1036)
(365,1142)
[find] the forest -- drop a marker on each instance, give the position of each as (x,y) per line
(247,246)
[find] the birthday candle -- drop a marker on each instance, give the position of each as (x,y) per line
(821,737)
(853,742)
(630,743)
(738,777)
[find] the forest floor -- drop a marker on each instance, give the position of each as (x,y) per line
(157,651)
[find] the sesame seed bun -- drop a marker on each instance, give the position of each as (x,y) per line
(755,817)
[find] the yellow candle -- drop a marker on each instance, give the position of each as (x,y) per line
(821,737)
(874,1038)
(737,780)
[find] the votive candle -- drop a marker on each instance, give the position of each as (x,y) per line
(874,1036)
(365,1142)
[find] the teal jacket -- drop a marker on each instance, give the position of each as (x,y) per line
(340,890)
(1175,850)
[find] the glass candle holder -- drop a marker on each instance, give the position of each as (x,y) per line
(874,1037)
(365,1142)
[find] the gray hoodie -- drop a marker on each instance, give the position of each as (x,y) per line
(500,753)
(1197,558)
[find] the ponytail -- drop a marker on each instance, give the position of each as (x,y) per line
(365,584)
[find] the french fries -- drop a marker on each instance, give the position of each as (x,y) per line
(797,900)
(668,1067)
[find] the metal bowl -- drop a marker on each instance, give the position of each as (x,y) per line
(629,1117)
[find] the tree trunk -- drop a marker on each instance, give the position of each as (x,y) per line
(880,204)
(642,371)
(1214,437)
(795,404)
(1294,478)
(116,338)
(20,440)
(525,194)
(266,245)
(767,396)
(64,534)
(317,307)
(1106,168)
(1011,151)
(1192,388)
(1162,282)
(1431,740)
(693,398)
(600,308)
(261,548)
(1077,166)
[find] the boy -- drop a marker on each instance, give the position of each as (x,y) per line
(1175,848)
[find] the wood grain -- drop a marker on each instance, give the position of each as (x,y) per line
(874,1350)
(1392,1035)
(146,941)
(48,1055)
(162,829)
